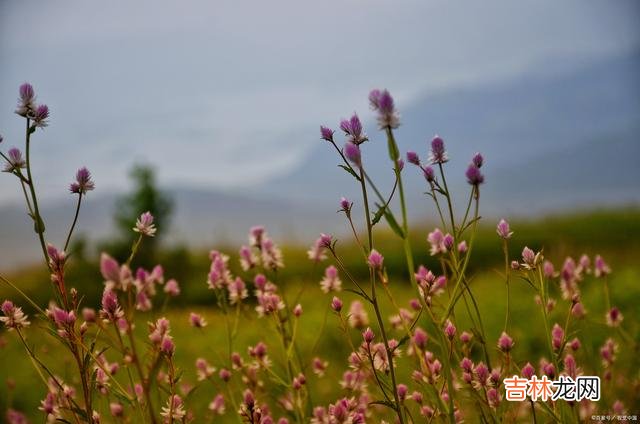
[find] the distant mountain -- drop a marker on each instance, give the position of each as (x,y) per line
(555,127)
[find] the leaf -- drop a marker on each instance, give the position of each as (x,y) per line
(379,213)
(383,403)
(350,171)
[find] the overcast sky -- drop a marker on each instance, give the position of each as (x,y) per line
(211,91)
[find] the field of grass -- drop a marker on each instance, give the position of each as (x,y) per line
(612,234)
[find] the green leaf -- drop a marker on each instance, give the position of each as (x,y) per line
(379,213)
(350,171)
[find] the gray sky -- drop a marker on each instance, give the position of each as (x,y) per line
(211,91)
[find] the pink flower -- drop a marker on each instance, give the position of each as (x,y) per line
(375,259)
(436,240)
(368,335)
(614,317)
(172,288)
(505,343)
(13,317)
(217,404)
(331,282)
(601,267)
(174,410)
(145,225)
(196,320)
(336,304)
(358,317)
(503,229)
(450,330)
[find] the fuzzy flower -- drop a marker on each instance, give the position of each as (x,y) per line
(317,252)
(352,152)
(13,316)
(429,174)
(505,342)
(382,102)
(326,133)
(271,254)
(474,176)
(172,288)
(413,158)
(15,160)
(196,320)
(237,291)
(477,160)
(353,129)
(368,335)
(436,240)
(83,182)
(217,405)
(174,409)
(420,338)
(40,116)
(601,268)
(462,247)
(449,330)
(557,336)
(345,205)
(145,225)
(247,259)
(375,259)
(528,371)
(358,317)
(503,230)
(529,258)
(438,154)
(336,304)
(614,317)
(111,310)
(26,101)
(331,282)
(203,369)
(319,366)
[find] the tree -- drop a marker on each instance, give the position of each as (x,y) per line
(144,197)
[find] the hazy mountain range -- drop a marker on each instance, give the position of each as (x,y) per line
(555,138)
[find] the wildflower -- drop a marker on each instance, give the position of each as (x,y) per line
(528,371)
(15,160)
(438,154)
(382,102)
(358,317)
(172,288)
(219,274)
(167,346)
(336,304)
(503,229)
(237,291)
(297,310)
(145,226)
(477,160)
(49,405)
(116,409)
(402,391)
(529,258)
(40,116)
(494,397)
(299,381)
(317,252)
(413,158)
(196,320)
(505,343)
(174,409)
(548,270)
(331,281)
(448,241)
(111,310)
(614,317)
(247,259)
(203,369)
(400,164)
(352,152)
(375,259)
(225,374)
(83,182)
(474,176)
(271,255)
(345,205)
(353,128)
(368,335)
(481,374)
(319,366)
(217,404)
(465,337)
(13,316)
(420,338)
(557,336)
(57,257)
(436,240)
(462,247)
(326,133)
(601,268)
(450,330)
(26,101)
(429,174)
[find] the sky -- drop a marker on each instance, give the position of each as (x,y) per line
(216,93)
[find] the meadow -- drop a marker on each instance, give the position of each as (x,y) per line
(385,324)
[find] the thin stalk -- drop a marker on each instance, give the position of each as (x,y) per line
(73,225)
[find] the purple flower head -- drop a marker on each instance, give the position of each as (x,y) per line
(429,174)
(528,371)
(26,104)
(345,204)
(83,182)
(420,338)
(528,256)
(413,158)
(145,226)
(375,259)
(448,241)
(40,116)
(614,317)
(352,152)
(462,247)
(503,229)
(15,160)
(477,160)
(450,330)
(400,164)
(505,342)
(382,102)
(353,128)
(326,133)
(368,335)
(474,176)
(336,304)
(601,268)
(438,153)
(402,391)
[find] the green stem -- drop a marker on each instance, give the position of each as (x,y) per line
(73,225)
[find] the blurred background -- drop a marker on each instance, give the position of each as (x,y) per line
(221,102)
